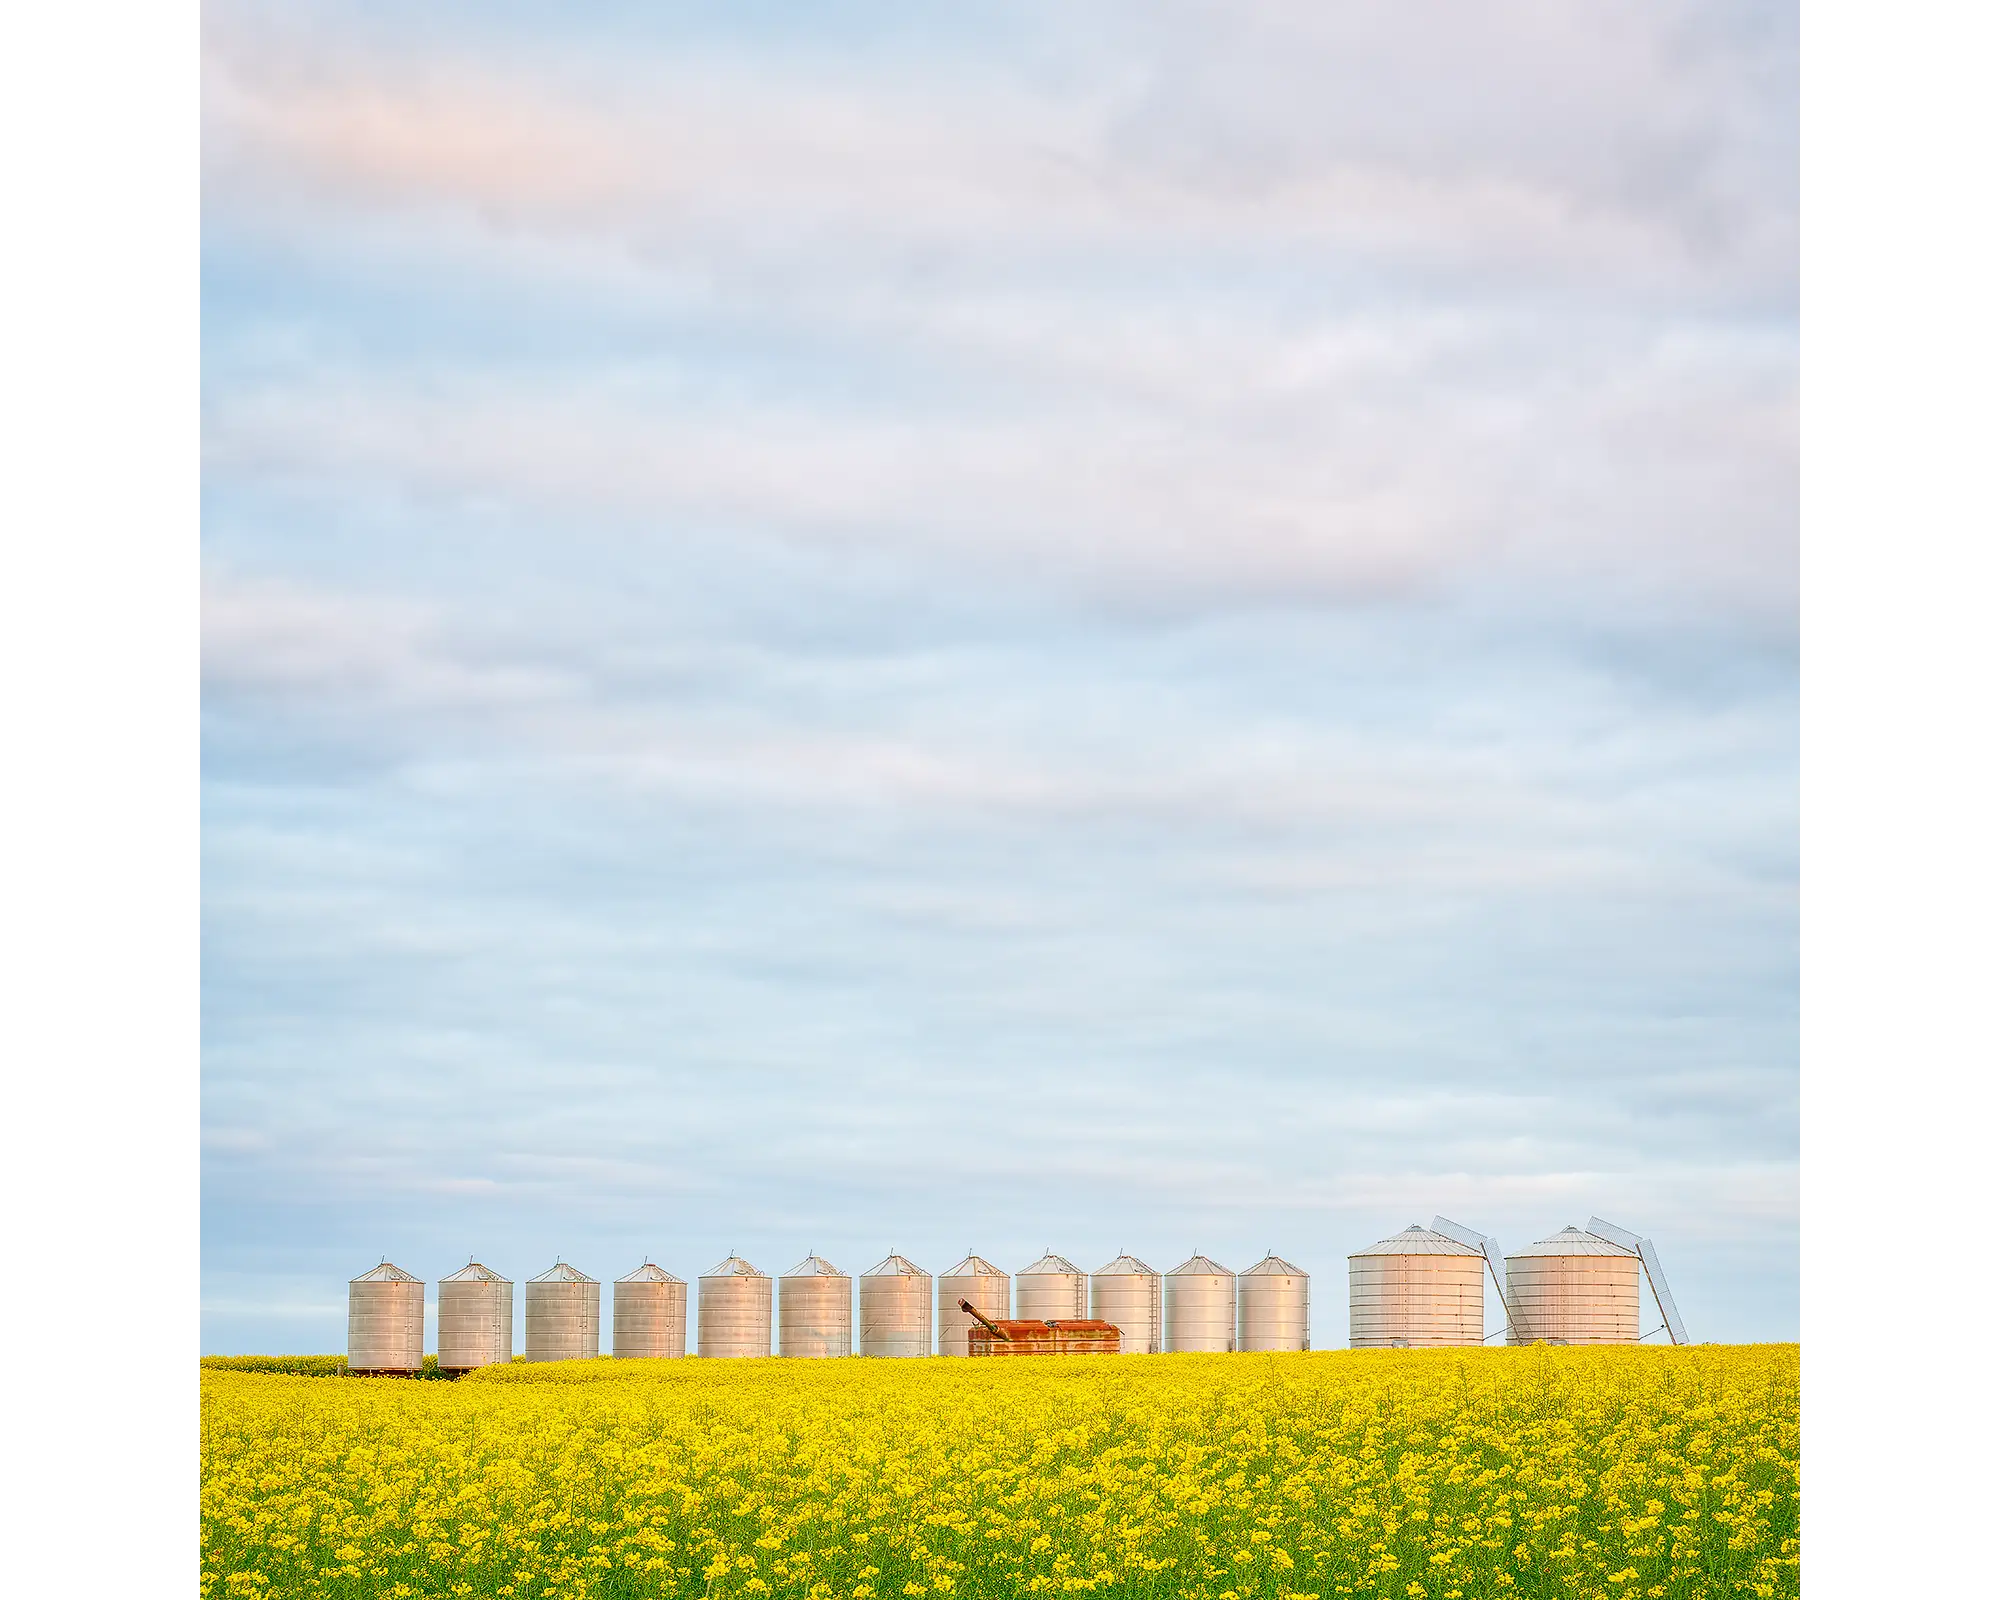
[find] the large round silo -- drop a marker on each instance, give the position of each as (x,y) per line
(649,1314)
(1417,1289)
(1573,1288)
(815,1310)
(1273,1306)
(895,1309)
(1126,1293)
(385,1321)
(475,1319)
(975,1280)
(1201,1306)
(1051,1290)
(734,1314)
(563,1307)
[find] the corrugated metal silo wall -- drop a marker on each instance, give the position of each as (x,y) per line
(648,1318)
(734,1316)
(816,1316)
(385,1326)
(1417,1300)
(1200,1311)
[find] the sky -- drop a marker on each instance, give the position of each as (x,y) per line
(1079,626)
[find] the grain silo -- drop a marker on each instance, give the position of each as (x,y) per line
(974,1279)
(1417,1289)
(1050,1290)
(734,1313)
(1273,1304)
(385,1321)
(1126,1294)
(815,1310)
(1573,1288)
(475,1319)
(649,1314)
(895,1309)
(1201,1306)
(563,1307)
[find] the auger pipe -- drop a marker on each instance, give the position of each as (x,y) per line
(985,1321)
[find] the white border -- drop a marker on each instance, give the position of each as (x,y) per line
(99,656)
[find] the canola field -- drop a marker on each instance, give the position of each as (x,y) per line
(1418,1475)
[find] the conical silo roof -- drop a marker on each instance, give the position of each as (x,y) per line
(649,1274)
(815,1267)
(1272,1266)
(1198,1266)
(1572,1242)
(1050,1263)
(1126,1266)
(562,1272)
(388,1272)
(1416,1240)
(895,1266)
(974,1267)
(733,1267)
(473,1272)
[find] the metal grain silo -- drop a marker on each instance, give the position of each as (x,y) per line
(1201,1306)
(649,1314)
(1273,1304)
(978,1281)
(735,1310)
(475,1319)
(385,1321)
(563,1307)
(815,1310)
(1126,1293)
(1051,1290)
(895,1309)
(1573,1288)
(1416,1289)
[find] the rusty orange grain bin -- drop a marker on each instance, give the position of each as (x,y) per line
(1084,1336)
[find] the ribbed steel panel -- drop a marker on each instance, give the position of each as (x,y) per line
(1051,1290)
(1201,1306)
(1273,1306)
(815,1311)
(1573,1288)
(896,1309)
(1418,1289)
(563,1310)
(974,1279)
(733,1313)
(1126,1293)
(475,1319)
(385,1321)
(649,1314)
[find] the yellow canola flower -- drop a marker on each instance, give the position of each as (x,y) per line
(1437,1474)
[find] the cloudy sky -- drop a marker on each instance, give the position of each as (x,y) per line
(1152,627)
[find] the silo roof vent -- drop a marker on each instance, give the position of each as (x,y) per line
(895,1266)
(562,1272)
(649,1274)
(1418,1241)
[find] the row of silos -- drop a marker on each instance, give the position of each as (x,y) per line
(1198,1306)
(1421,1287)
